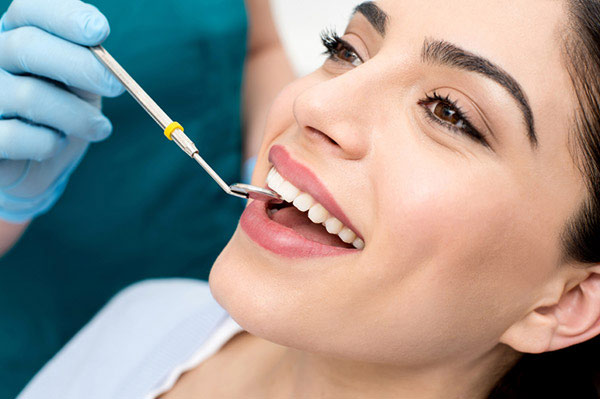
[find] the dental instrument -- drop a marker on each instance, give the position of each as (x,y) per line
(174,131)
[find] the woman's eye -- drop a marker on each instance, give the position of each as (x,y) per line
(447,113)
(340,50)
(345,54)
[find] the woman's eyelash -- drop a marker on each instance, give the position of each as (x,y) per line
(459,114)
(334,44)
(331,40)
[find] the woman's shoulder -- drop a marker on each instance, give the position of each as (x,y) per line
(123,344)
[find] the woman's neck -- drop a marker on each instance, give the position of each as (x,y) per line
(251,367)
(306,375)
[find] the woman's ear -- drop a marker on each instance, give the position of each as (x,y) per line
(572,319)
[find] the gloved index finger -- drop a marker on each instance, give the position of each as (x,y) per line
(72,20)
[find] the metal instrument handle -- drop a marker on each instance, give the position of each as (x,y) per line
(178,136)
(132,87)
(156,113)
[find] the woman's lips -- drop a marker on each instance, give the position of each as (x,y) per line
(280,239)
(306,181)
(283,240)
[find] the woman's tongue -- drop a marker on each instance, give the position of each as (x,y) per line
(299,222)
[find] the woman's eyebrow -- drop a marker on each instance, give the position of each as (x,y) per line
(374,14)
(444,53)
(448,54)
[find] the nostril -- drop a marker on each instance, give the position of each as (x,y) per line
(322,135)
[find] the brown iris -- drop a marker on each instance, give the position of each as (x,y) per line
(446,113)
(345,54)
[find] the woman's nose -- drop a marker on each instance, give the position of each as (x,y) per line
(338,110)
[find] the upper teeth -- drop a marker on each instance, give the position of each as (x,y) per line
(316,212)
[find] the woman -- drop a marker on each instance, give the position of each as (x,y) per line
(460,146)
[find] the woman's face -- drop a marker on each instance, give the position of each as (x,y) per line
(421,131)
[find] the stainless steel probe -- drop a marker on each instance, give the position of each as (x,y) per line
(174,131)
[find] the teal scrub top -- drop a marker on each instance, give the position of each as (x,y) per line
(136,207)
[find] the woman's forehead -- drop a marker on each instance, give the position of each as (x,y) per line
(498,27)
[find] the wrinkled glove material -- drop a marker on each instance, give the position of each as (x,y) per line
(51,108)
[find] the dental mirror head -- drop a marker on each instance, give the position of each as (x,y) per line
(255,193)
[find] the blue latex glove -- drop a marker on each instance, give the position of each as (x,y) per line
(50,101)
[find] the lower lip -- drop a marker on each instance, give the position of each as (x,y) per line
(282,240)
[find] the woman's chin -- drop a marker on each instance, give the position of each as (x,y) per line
(235,284)
(255,297)
(222,278)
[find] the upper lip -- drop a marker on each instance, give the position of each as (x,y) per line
(307,181)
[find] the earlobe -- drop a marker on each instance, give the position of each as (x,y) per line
(532,334)
(578,314)
(575,318)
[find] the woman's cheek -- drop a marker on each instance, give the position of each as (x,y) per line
(417,216)
(454,243)
(450,218)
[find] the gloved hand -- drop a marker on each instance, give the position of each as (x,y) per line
(51,88)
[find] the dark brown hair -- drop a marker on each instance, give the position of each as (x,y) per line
(573,372)
(582,236)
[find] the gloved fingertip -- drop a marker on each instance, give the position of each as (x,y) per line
(116,88)
(109,85)
(102,129)
(55,145)
(95,28)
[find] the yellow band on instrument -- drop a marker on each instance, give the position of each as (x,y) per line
(171,128)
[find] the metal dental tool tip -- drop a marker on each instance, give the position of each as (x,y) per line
(255,193)
(174,131)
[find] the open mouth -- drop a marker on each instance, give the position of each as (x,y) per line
(303,214)
(309,224)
